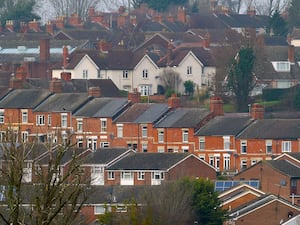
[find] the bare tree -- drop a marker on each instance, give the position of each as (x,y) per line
(56,196)
(268,7)
(170,79)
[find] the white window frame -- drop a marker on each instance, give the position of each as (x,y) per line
(202,143)
(145,74)
(158,175)
(64,120)
(144,147)
(125,74)
(99,209)
(79,142)
(111,175)
(286,146)
(244,164)
(40,120)
(1,116)
(185,148)
(144,131)
(283,66)
(269,147)
(85,74)
(185,136)
(79,125)
(24,115)
(25,136)
(103,125)
(145,90)
(160,136)
(243,146)
(226,161)
(141,175)
(119,130)
(189,70)
(104,144)
(49,120)
(226,142)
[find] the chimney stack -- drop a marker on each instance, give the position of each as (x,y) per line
(216,106)
(257,111)
(55,86)
(44,50)
(94,92)
(174,101)
(291,54)
(134,97)
(65,56)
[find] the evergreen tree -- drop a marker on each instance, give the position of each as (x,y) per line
(277,25)
(294,14)
(240,78)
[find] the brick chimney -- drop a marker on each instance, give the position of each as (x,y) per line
(15,83)
(181,14)
(23,27)
(9,25)
(59,22)
(91,11)
(74,20)
(50,27)
(94,92)
(66,76)
(291,53)
(134,97)
(206,41)
(216,106)
(44,50)
(55,86)
(21,73)
(174,101)
(103,46)
(257,111)
(171,18)
(65,56)
(34,25)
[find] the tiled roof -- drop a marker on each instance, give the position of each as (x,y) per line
(272,129)
(183,117)
(143,113)
(63,102)
(222,125)
(24,98)
(244,20)
(104,155)
(148,161)
(102,107)
(285,167)
(206,21)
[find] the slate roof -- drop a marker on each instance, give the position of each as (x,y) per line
(143,113)
(63,102)
(102,107)
(284,167)
(183,118)
(295,155)
(149,161)
(105,155)
(222,125)
(244,20)
(206,21)
(275,41)
(84,34)
(24,98)
(120,59)
(272,129)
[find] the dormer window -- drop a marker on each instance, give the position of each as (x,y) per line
(282,66)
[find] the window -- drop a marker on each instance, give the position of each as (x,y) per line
(217,162)
(243,164)
(282,66)
(145,90)
(243,147)
(144,131)
(24,116)
(253,161)
(132,146)
(40,120)
(127,175)
(269,146)
(161,136)
(201,143)
(49,120)
(185,148)
(145,74)
(286,146)
(125,74)
(104,144)
(226,158)
(98,74)
(85,74)
(202,157)
(111,175)
(141,175)
(24,136)
(189,70)
(119,130)
(79,142)
(185,136)
(64,120)
(226,140)
(160,149)
(99,210)
(103,125)
(79,125)
(92,142)
(157,175)
(2,116)
(211,161)
(144,147)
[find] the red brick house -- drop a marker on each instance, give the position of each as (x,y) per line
(267,210)
(279,177)
(155,168)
